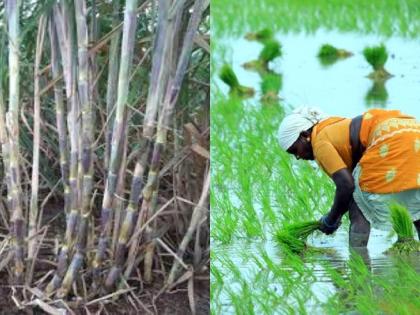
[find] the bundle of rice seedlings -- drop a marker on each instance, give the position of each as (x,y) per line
(329,54)
(228,76)
(290,242)
(329,51)
(403,226)
(270,87)
(271,50)
(377,56)
(293,236)
(261,36)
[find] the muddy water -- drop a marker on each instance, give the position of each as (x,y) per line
(341,88)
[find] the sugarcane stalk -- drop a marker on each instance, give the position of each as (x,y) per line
(60,116)
(160,71)
(112,83)
(150,190)
(163,58)
(86,165)
(33,212)
(131,215)
(198,213)
(127,226)
(119,130)
(94,75)
(118,202)
(65,28)
(64,25)
(3,131)
(12,123)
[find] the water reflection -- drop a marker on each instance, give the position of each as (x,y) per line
(341,89)
(328,61)
(271,85)
(377,95)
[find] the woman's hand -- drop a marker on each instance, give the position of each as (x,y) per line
(328,225)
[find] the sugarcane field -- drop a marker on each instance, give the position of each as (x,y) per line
(105,157)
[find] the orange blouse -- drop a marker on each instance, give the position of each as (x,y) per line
(391,162)
(331,144)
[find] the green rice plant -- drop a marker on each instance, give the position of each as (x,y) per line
(270,87)
(231,18)
(261,36)
(361,290)
(302,230)
(293,236)
(270,51)
(377,56)
(243,300)
(329,51)
(401,223)
(228,76)
(329,54)
(289,242)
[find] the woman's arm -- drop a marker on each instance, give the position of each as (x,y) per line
(344,184)
(344,187)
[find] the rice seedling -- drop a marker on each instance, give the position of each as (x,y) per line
(290,242)
(377,56)
(329,54)
(228,76)
(302,230)
(261,36)
(403,226)
(293,236)
(270,51)
(329,51)
(392,291)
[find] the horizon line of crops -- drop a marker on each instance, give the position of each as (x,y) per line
(400,18)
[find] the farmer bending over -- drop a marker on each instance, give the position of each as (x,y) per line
(373,159)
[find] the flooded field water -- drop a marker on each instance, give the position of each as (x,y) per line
(257,188)
(341,88)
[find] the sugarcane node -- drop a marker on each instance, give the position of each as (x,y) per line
(136,187)
(112,183)
(105,215)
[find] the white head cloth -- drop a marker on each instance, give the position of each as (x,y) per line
(299,120)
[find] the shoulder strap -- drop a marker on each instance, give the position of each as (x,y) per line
(357,148)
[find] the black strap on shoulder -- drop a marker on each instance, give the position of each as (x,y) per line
(357,148)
